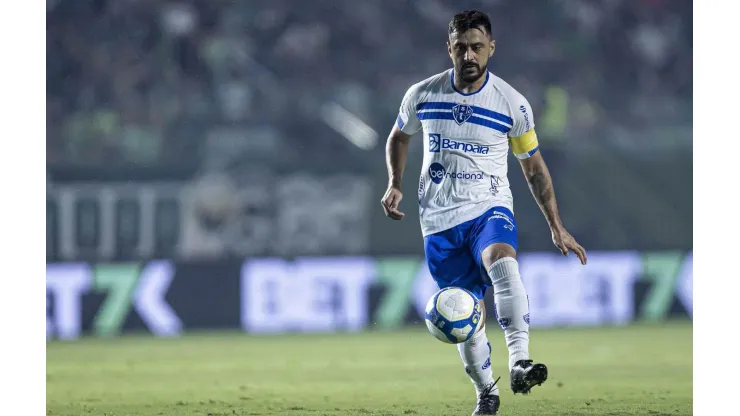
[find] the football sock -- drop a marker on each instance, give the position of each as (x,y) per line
(476,356)
(511,307)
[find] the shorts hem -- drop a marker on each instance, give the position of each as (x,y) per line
(491,242)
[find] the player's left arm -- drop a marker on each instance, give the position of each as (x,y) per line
(525,146)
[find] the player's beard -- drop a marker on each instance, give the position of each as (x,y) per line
(469,75)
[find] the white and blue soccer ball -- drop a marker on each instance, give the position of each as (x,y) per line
(453,315)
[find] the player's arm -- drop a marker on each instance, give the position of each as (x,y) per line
(525,146)
(396,149)
(540,184)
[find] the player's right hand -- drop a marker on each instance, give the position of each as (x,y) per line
(390,202)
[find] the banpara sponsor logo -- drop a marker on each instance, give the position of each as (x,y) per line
(438,143)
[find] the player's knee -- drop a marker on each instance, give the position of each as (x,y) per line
(496,252)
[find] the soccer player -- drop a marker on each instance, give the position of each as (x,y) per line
(470,118)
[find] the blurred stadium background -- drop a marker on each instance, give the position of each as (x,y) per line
(218,165)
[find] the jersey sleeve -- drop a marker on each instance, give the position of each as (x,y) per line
(407,119)
(522,136)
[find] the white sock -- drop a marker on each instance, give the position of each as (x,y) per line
(511,307)
(476,356)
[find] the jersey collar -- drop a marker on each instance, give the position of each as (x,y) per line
(452,84)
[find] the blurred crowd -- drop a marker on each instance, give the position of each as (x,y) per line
(216,82)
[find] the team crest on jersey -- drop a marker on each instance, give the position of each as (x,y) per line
(461,113)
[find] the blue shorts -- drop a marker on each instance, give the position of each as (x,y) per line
(454,255)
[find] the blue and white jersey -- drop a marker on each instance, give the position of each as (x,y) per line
(466,144)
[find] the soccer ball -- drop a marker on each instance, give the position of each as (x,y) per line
(453,315)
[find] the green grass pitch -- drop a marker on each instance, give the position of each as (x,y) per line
(636,370)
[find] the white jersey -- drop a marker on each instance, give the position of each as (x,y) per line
(466,144)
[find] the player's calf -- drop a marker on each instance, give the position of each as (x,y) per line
(476,357)
(511,305)
(512,313)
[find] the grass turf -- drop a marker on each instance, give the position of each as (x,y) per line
(636,370)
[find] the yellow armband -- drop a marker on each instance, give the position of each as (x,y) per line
(525,145)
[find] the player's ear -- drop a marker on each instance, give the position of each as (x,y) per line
(493,47)
(449,49)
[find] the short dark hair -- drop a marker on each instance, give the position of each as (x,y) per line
(469,19)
